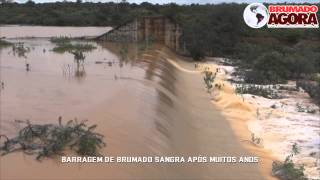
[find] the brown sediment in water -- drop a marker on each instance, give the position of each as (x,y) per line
(239,113)
(17,31)
(155,105)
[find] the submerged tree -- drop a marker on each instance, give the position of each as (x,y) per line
(20,50)
(79,58)
(48,140)
(208,79)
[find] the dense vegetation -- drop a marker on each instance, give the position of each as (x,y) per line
(264,55)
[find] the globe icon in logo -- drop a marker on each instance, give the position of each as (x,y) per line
(256,15)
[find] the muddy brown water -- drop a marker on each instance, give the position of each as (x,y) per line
(23,31)
(143,105)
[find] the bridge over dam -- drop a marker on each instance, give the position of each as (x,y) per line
(149,29)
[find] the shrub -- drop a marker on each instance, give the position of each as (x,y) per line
(259,90)
(50,139)
(67,47)
(271,67)
(78,56)
(287,170)
(255,140)
(20,49)
(312,88)
(4,43)
(208,80)
(60,40)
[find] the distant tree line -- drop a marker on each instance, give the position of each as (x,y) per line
(263,55)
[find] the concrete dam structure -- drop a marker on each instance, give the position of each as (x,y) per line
(149,29)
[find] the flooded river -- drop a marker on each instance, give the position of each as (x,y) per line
(142,104)
(282,122)
(16,31)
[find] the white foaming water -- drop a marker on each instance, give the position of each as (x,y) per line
(280,128)
(285,124)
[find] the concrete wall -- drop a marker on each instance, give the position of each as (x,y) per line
(124,33)
(173,33)
(150,29)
